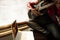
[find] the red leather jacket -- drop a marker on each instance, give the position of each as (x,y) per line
(53,12)
(58,11)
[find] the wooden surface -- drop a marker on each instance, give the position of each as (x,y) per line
(4,32)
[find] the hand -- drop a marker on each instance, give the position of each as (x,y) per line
(29,5)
